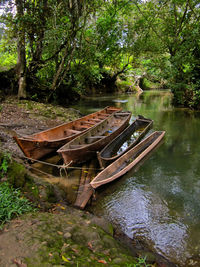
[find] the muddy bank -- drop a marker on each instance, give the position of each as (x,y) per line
(27,117)
(56,239)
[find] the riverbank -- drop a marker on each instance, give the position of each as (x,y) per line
(62,235)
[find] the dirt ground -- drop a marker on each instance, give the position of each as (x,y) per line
(27,117)
(56,239)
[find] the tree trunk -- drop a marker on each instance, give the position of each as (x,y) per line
(62,69)
(21,61)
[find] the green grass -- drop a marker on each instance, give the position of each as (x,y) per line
(12,203)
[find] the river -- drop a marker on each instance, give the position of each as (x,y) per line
(158,202)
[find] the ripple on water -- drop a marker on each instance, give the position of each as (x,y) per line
(144,216)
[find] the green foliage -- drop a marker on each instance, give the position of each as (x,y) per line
(125,85)
(34,97)
(168,35)
(147,84)
(4,161)
(141,262)
(11,203)
(8,55)
(71,44)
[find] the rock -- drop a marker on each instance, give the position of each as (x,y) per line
(79,237)
(117,261)
(105,225)
(69,229)
(67,235)
(109,242)
(92,236)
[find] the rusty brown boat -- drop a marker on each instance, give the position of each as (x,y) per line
(40,144)
(125,141)
(85,146)
(127,161)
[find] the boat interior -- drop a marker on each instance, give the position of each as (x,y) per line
(69,129)
(104,129)
(131,155)
(123,141)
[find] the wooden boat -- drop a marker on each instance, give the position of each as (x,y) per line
(127,161)
(125,141)
(85,146)
(40,144)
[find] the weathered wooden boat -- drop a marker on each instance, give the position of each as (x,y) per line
(128,160)
(125,141)
(40,144)
(85,146)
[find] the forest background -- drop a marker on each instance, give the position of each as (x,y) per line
(55,51)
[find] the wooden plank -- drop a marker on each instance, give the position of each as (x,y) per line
(102,117)
(96,136)
(89,123)
(82,178)
(85,196)
(84,126)
(95,120)
(122,114)
(77,146)
(86,190)
(73,131)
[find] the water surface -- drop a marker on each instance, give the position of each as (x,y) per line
(159,201)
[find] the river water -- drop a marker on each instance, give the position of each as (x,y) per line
(159,201)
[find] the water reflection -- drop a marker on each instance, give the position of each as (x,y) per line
(160,203)
(147,217)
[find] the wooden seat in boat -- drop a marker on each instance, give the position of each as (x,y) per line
(73,131)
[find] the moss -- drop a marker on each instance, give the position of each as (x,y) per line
(16,174)
(48,193)
(56,250)
(35,189)
(111,229)
(30,186)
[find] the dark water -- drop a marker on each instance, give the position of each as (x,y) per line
(159,202)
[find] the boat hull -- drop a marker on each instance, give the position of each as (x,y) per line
(127,161)
(38,145)
(85,146)
(108,154)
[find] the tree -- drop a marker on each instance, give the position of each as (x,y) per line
(73,45)
(21,62)
(171,29)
